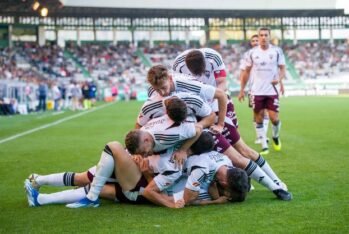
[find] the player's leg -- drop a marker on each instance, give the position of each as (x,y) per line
(273,111)
(126,170)
(67,196)
(252,169)
(59,179)
(104,170)
(266,122)
(258,109)
(248,152)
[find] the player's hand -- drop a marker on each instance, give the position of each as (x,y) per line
(221,200)
(216,128)
(241,96)
(179,204)
(179,157)
(142,163)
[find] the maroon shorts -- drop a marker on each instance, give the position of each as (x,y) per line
(231,112)
(231,134)
(270,102)
(120,196)
(221,144)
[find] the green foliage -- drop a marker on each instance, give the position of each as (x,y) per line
(313,163)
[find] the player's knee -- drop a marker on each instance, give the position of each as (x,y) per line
(114,147)
(81,179)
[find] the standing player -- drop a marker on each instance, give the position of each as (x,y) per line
(206,65)
(253,43)
(265,65)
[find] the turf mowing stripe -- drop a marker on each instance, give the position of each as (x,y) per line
(52,124)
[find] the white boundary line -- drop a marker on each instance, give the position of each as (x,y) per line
(52,124)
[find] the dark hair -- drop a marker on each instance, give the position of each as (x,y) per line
(239,184)
(176,109)
(203,144)
(157,74)
(132,141)
(195,62)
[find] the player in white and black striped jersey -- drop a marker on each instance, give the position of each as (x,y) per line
(206,171)
(195,63)
(205,65)
(258,169)
(207,168)
(157,135)
(163,83)
(196,108)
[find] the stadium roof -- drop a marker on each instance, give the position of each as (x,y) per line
(138,8)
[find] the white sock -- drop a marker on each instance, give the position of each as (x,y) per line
(261,135)
(276,129)
(256,173)
(104,170)
(264,165)
(58,179)
(255,127)
(266,124)
(63,197)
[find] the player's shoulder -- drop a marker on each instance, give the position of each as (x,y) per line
(276,48)
(209,50)
(196,161)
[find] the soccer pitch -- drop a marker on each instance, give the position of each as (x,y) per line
(314,163)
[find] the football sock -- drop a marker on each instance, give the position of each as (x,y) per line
(256,173)
(63,197)
(264,165)
(104,170)
(276,129)
(261,135)
(58,179)
(255,127)
(266,124)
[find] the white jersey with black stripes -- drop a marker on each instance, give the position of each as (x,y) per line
(154,107)
(213,64)
(166,133)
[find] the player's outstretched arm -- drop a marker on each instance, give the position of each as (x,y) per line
(154,195)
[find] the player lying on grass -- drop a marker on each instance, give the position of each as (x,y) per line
(206,171)
(242,156)
(157,135)
(229,179)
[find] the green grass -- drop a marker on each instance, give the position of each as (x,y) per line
(314,164)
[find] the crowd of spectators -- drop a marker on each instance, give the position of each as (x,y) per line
(319,60)
(54,73)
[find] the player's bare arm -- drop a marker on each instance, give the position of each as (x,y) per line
(153,194)
(222,107)
(244,76)
(181,154)
(222,83)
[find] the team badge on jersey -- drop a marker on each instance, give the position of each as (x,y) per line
(271,56)
(207,74)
